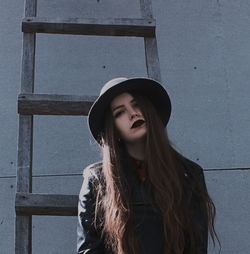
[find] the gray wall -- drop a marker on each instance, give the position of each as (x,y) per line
(205,57)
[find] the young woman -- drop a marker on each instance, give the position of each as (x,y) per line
(143,197)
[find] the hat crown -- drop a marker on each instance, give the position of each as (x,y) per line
(112,83)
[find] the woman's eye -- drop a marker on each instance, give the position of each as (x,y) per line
(118,113)
(136,105)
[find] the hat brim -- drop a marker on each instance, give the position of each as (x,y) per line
(149,88)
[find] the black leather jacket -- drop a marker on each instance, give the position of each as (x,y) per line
(148,224)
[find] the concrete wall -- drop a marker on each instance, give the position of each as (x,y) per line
(205,57)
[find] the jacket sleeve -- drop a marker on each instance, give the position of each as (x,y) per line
(201,225)
(89,240)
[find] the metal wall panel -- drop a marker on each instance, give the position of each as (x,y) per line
(7,215)
(204,54)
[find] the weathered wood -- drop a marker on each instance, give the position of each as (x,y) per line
(46,204)
(30,8)
(54,104)
(151,50)
(23,236)
(23,231)
(152,59)
(28,63)
(24,159)
(146,8)
(90,26)
(28,56)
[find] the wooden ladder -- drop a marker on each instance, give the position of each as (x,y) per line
(29,104)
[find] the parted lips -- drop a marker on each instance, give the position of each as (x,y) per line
(137,123)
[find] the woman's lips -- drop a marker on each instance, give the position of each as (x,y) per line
(137,123)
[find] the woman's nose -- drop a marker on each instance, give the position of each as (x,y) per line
(133,113)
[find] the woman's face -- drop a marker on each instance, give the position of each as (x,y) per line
(128,118)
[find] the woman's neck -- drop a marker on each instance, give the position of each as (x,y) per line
(136,149)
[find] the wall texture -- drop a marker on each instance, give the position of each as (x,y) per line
(204,54)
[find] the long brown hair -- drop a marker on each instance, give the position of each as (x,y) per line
(165,174)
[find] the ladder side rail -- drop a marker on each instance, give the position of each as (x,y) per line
(23,230)
(151,49)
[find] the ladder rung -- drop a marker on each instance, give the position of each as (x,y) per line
(54,104)
(90,26)
(46,204)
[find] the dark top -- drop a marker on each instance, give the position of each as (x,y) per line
(146,219)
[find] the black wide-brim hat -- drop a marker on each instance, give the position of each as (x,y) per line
(149,88)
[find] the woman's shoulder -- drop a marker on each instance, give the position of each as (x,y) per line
(193,172)
(91,178)
(92,171)
(190,166)
(94,166)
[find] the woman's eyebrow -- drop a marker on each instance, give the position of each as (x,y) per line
(117,107)
(121,106)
